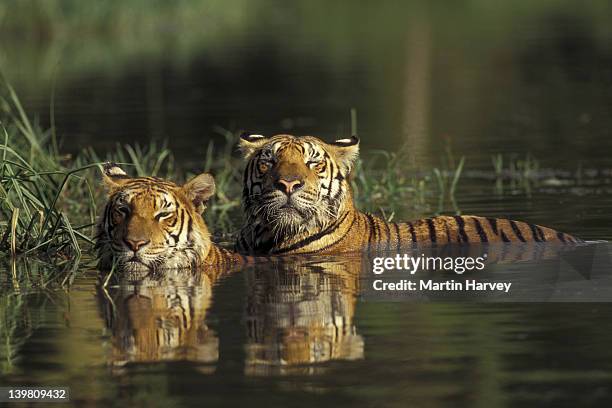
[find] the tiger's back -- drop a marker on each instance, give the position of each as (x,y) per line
(367,232)
(297,199)
(458,229)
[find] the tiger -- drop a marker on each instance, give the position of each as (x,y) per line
(150,224)
(297,199)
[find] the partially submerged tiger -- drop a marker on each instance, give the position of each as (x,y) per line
(150,224)
(297,199)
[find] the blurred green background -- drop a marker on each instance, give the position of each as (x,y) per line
(489,76)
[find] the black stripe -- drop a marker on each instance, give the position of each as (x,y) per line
(301,148)
(542,236)
(399,238)
(432,230)
(189,227)
(448,234)
(493,224)
(240,244)
(504,237)
(412,233)
(245,176)
(371,221)
(177,236)
(481,232)
(461,225)
(388,229)
(323,249)
(377,234)
(313,238)
(339,192)
(517,231)
(561,237)
(534,231)
(255,184)
(331,179)
(107,215)
(306,142)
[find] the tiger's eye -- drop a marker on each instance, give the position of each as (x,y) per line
(165,216)
(263,167)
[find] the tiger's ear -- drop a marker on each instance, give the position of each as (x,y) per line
(199,190)
(113,176)
(347,151)
(249,143)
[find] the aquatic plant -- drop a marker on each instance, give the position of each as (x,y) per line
(33,183)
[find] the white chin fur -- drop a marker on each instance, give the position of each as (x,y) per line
(134,267)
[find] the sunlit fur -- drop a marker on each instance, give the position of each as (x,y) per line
(322,167)
(161,215)
(318,216)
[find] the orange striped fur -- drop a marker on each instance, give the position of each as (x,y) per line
(297,199)
(150,224)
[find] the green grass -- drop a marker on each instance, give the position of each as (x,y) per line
(33,186)
(381,184)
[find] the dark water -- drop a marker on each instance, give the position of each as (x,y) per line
(303,333)
(511,79)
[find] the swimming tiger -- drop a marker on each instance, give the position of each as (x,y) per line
(297,199)
(150,224)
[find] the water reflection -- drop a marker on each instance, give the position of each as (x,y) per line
(161,318)
(298,315)
(192,337)
(301,314)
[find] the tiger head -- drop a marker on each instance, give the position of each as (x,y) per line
(296,184)
(150,224)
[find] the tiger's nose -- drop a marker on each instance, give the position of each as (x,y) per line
(135,245)
(289,186)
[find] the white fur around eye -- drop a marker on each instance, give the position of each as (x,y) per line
(344,141)
(256,136)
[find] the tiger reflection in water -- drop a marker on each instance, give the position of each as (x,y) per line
(163,318)
(300,314)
